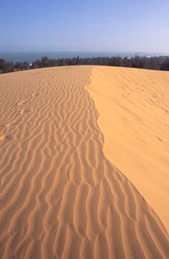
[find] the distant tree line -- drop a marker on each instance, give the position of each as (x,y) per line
(157,63)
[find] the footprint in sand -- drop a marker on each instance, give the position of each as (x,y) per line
(24,111)
(11,125)
(5,137)
(21,102)
(35,94)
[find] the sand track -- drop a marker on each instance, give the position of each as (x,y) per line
(59,195)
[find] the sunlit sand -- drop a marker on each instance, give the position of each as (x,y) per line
(83,169)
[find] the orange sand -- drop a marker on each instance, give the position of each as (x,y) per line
(134,118)
(60,197)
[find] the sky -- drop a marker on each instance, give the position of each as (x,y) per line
(84,25)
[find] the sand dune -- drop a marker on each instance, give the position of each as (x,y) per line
(60,197)
(134,118)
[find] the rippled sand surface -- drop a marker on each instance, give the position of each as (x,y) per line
(60,196)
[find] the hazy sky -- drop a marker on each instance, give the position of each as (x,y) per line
(86,25)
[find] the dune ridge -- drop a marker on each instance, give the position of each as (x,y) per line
(134,108)
(60,197)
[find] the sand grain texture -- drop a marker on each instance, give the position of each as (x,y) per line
(134,118)
(60,197)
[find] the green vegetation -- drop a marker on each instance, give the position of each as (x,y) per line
(158,63)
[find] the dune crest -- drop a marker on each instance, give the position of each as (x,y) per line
(134,118)
(60,197)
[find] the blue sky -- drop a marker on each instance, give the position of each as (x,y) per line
(83,25)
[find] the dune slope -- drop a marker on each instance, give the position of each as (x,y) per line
(134,118)
(60,197)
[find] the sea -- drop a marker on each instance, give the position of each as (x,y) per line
(34,55)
